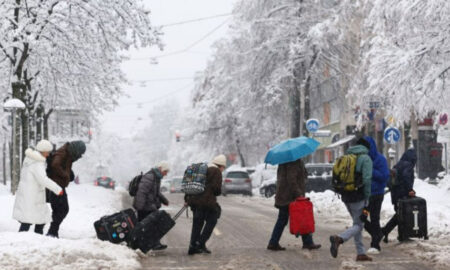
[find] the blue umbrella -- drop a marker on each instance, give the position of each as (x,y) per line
(291,150)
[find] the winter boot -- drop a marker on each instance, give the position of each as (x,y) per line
(335,241)
(276,247)
(363,258)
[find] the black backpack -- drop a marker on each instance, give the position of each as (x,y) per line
(134,185)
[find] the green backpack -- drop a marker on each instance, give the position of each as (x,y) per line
(345,177)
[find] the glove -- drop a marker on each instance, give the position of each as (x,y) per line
(364,215)
(61,193)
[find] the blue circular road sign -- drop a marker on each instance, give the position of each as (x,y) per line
(392,135)
(312,125)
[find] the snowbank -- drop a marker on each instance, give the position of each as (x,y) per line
(77,247)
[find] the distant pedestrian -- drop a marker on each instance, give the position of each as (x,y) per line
(206,210)
(60,170)
(291,179)
(402,186)
(148,197)
(356,202)
(380,177)
(30,206)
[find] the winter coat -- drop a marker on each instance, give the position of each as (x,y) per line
(364,166)
(404,176)
(213,188)
(291,179)
(380,169)
(149,197)
(61,165)
(30,206)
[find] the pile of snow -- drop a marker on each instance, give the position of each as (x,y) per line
(77,247)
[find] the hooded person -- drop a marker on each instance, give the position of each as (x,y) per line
(403,187)
(59,169)
(148,197)
(206,210)
(30,206)
(380,178)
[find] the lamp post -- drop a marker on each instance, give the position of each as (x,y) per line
(12,105)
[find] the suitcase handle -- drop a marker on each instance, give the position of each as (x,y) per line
(300,199)
(179,212)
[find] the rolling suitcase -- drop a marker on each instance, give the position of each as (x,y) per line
(301,217)
(151,229)
(116,228)
(412,218)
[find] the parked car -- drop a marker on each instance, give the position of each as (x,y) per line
(106,182)
(319,179)
(165,185)
(175,185)
(236,181)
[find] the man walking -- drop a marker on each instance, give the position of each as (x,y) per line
(59,170)
(355,201)
(148,197)
(380,177)
(206,210)
(290,185)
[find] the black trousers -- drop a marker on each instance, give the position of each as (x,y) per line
(373,226)
(38,228)
(392,223)
(203,224)
(142,214)
(60,209)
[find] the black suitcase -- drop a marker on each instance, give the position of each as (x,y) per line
(151,229)
(412,218)
(117,227)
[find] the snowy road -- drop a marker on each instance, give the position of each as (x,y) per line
(241,236)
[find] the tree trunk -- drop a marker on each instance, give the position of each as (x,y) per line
(4,162)
(46,117)
(39,122)
(18,89)
(240,154)
(25,123)
(294,102)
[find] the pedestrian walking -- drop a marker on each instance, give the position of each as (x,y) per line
(206,211)
(356,202)
(59,169)
(148,197)
(291,178)
(380,177)
(401,187)
(30,206)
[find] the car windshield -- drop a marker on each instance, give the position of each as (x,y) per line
(237,175)
(104,179)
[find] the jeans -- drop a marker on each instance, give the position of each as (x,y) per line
(203,224)
(38,228)
(60,209)
(283,218)
(373,226)
(355,209)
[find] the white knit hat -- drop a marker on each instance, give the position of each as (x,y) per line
(164,165)
(220,160)
(44,146)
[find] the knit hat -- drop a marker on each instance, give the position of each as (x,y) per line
(220,160)
(44,146)
(76,149)
(164,166)
(363,142)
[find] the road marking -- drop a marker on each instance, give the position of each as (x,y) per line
(217,232)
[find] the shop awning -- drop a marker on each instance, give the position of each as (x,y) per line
(341,141)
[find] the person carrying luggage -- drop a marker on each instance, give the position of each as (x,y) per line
(206,210)
(291,178)
(59,169)
(380,177)
(30,206)
(401,187)
(356,199)
(148,197)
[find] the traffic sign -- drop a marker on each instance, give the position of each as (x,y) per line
(312,125)
(443,119)
(443,135)
(392,135)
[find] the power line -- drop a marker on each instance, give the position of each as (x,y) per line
(164,79)
(185,49)
(162,97)
(195,20)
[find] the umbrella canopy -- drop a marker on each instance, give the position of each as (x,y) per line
(291,150)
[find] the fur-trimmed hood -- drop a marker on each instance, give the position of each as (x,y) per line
(32,156)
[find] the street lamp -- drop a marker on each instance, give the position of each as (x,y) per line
(12,105)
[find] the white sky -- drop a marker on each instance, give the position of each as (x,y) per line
(124,120)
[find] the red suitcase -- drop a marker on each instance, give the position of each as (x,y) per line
(301,216)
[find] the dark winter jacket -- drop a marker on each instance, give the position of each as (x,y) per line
(61,166)
(148,196)
(380,169)
(213,188)
(404,175)
(291,179)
